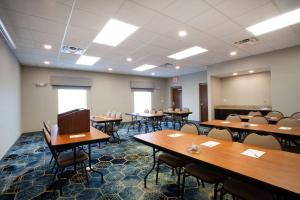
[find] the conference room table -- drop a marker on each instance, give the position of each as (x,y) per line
(277,171)
(61,141)
(152,118)
(175,115)
(101,119)
(272,120)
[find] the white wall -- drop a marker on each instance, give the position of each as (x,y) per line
(190,91)
(110,92)
(252,89)
(10,110)
(285,72)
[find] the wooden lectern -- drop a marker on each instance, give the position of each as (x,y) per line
(74,121)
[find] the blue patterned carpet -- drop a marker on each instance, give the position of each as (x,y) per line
(25,173)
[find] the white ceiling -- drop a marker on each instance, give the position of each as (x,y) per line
(211,24)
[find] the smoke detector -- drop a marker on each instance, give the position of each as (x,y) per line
(72,50)
(246,42)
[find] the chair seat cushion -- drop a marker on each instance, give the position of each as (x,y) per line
(67,158)
(203,173)
(246,191)
(172,160)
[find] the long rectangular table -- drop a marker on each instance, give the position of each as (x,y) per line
(272,120)
(71,140)
(180,115)
(105,120)
(279,171)
(265,128)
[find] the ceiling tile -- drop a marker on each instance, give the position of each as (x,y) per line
(46,26)
(183,10)
(236,36)
(287,5)
(77,33)
(258,48)
(225,28)
(170,43)
(154,4)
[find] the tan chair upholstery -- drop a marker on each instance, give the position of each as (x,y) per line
(254,113)
(160,112)
(67,158)
(177,110)
(296,115)
(170,109)
(264,141)
(222,134)
(258,120)
(276,114)
(186,110)
(289,121)
(118,115)
(146,111)
(152,111)
(233,118)
(190,128)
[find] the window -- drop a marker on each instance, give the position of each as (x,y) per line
(142,101)
(69,99)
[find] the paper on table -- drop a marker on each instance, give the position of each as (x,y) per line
(175,135)
(77,136)
(210,143)
(285,128)
(253,125)
(253,153)
(225,122)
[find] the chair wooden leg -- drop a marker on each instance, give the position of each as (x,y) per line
(56,171)
(198,182)
(203,185)
(183,185)
(178,179)
(173,171)
(86,174)
(51,160)
(157,171)
(216,191)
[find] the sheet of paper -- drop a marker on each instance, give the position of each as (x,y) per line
(225,122)
(285,128)
(253,153)
(253,125)
(77,136)
(210,143)
(175,135)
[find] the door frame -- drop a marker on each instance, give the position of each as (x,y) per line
(200,107)
(175,87)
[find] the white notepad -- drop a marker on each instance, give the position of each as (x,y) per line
(253,153)
(210,143)
(253,125)
(225,122)
(77,136)
(175,135)
(284,128)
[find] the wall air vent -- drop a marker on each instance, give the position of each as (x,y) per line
(72,50)
(246,42)
(167,66)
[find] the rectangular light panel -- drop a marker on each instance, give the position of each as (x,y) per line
(144,67)
(276,23)
(87,60)
(114,32)
(187,53)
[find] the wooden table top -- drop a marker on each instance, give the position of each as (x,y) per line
(268,128)
(279,169)
(146,115)
(177,113)
(247,117)
(58,140)
(103,119)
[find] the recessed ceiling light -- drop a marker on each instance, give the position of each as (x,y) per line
(233,53)
(109,69)
(187,53)
(275,23)
(87,60)
(47,46)
(114,32)
(251,71)
(144,67)
(177,67)
(182,33)
(153,74)
(234,74)
(128,59)
(46,62)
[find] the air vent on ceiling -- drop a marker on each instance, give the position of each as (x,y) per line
(167,65)
(246,42)
(72,50)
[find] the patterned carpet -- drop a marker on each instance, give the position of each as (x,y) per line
(25,173)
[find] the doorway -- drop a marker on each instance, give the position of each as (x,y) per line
(176,97)
(203,105)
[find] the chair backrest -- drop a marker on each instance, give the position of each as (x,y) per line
(186,110)
(264,141)
(108,114)
(146,111)
(153,111)
(222,134)
(160,112)
(113,114)
(276,114)
(258,120)
(48,141)
(254,113)
(177,110)
(46,127)
(170,109)
(118,115)
(190,128)
(296,115)
(289,121)
(233,118)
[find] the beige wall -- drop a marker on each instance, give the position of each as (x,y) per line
(110,92)
(190,91)
(285,73)
(10,110)
(252,89)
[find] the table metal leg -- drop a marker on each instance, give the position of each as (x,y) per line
(90,164)
(153,166)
